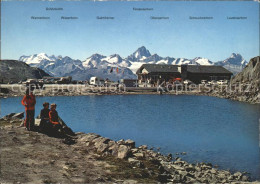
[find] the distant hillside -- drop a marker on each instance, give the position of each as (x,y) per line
(247,84)
(15,71)
(250,74)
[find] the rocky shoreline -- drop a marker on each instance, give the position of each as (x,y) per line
(90,158)
(217,91)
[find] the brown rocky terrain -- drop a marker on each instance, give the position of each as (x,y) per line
(245,86)
(33,157)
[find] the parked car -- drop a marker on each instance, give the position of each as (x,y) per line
(96,81)
(187,82)
(222,82)
(203,82)
(213,82)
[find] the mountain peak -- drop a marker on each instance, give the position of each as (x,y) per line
(140,53)
(96,56)
(42,54)
(234,55)
(143,51)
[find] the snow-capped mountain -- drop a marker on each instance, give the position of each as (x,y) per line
(115,67)
(140,54)
(234,63)
(37,58)
(54,65)
(95,65)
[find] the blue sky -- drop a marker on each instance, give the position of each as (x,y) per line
(177,37)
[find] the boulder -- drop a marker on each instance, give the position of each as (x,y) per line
(143,147)
(102,147)
(18,115)
(88,137)
(134,150)
(100,140)
(13,116)
(130,143)
(139,155)
(121,141)
(114,149)
(123,152)
(136,163)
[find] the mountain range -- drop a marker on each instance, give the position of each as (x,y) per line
(115,67)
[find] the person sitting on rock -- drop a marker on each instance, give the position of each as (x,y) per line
(44,116)
(54,118)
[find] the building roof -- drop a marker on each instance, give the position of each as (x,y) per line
(158,68)
(190,68)
(207,69)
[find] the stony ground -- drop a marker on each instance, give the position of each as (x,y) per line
(33,157)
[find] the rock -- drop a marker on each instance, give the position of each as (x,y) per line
(132,160)
(88,137)
(130,143)
(139,155)
(13,116)
(183,153)
(176,178)
(121,141)
(114,149)
(178,167)
(190,179)
(100,140)
(123,152)
(183,173)
(143,147)
(198,174)
(221,176)
(134,150)
(238,175)
(136,163)
(102,147)
(111,143)
(177,158)
(190,169)
(18,115)
(163,178)
(169,156)
(231,177)
(7,117)
(69,141)
(245,178)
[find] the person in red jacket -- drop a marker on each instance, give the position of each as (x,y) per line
(29,102)
(54,117)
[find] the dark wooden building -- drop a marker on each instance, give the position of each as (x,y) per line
(152,73)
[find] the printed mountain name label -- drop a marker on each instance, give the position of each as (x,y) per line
(159,18)
(50,8)
(191,17)
(105,17)
(143,9)
(40,18)
(69,18)
(236,17)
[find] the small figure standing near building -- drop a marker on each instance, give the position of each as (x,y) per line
(29,102)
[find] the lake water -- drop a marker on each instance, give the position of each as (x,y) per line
(209,129)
